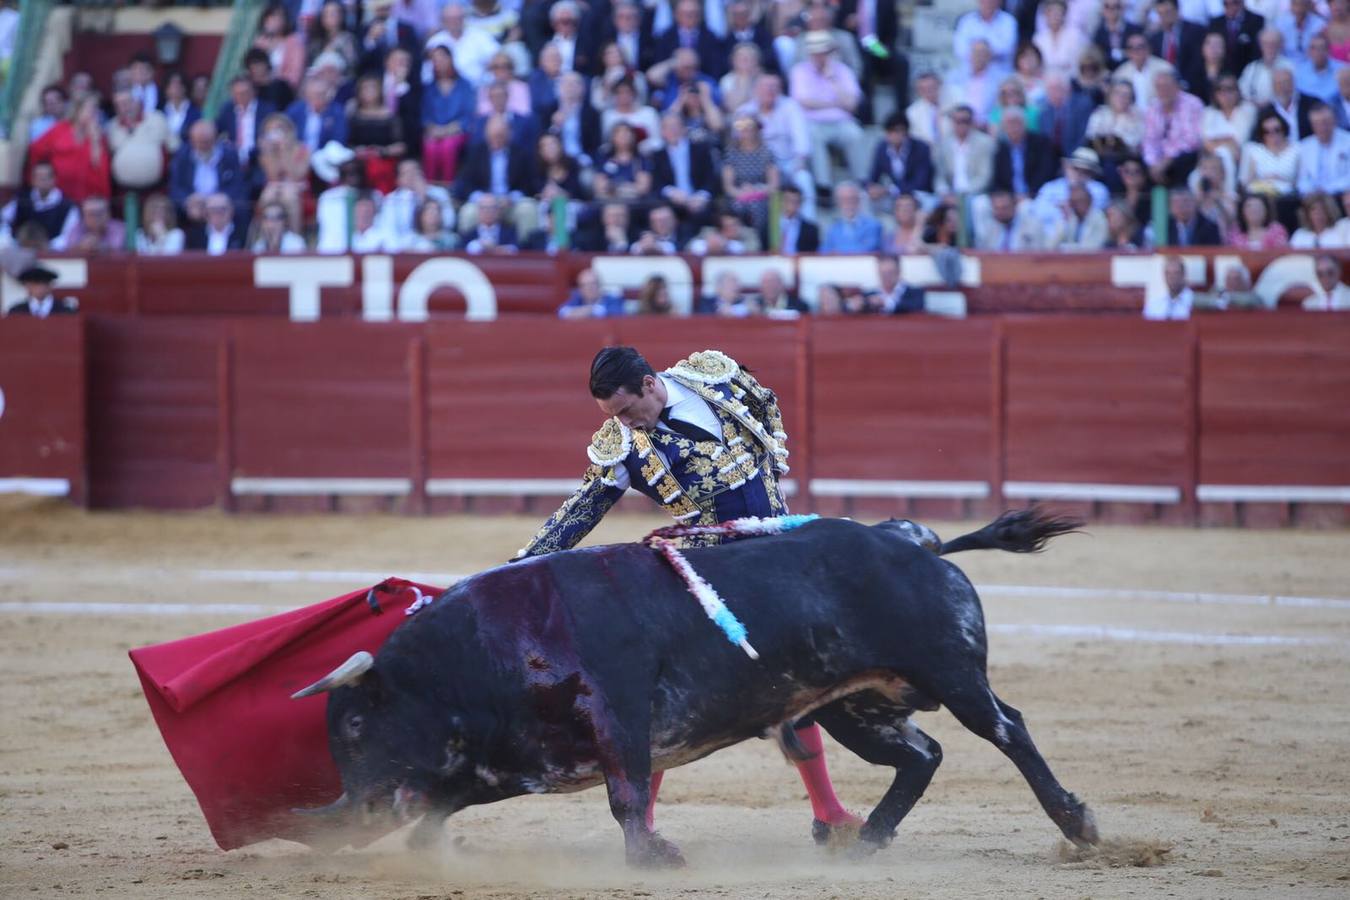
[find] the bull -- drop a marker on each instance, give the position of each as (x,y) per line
(591,666)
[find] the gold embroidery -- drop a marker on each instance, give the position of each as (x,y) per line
(575,518)
(611,444)
(706,367)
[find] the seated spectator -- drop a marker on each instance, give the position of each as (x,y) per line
(776,300)
(687,33)
(727,300)
(1330,293)
(1080,167)
(1318,225)
(611,234)
(327,33)
(1171,132)
(1216,200)
(179,110)
(894,296)
(366,235)
(43,205)
(730,237)
(557,175)
(942,226)
(1340,100)
(1029,70)
(284,46)
(901,164)
(662,236)
(1254,82)
(400,210)
(1083,226)
(749,175)
(382,32)
(1236,292)
(820,16)
(1139,70)
(978,85)
(1122,228)
(447,111)
(283,166)
(907,236)
(1255,229)
(271,234)
(1064,114)
(990,24)
(1116,129)
(1289,104)
(241,118)
(1186,227)
(1316,75)
(1003,225)
(828,94)
(796,232)
(140,80)
(333,208)
(1060,43)
(501,21)
(1011,95)
(625,29)
(217,234)
(1176,300)
(524,127)
(654,298)
(1297,25)
(499,169)
(1227,125)
(375,133)
(784,130)
(1093,78)
(159,234)
(95,232)
(1113,31)
(275,92)
(53,105)
(700,109)
(615,69)
(543,81)
(965,159)
(1024,161)
(564,17)
(925,113)
(622,174)
(501,71)
(489,234)
(432,232)
(1269,164)
(41,303)
(682,171)
(574,121)
(1324,155)
(403,92)
(642,119)
(205,165)
(1210,69)
(853,229)
(737,86)
(198,89)
(77,151)
(589,300)
(317,119)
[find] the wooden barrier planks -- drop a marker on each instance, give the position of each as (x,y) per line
(42,404)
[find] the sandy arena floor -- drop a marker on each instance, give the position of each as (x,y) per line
(1213,725)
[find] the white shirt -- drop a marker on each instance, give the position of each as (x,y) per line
(1164,306)
(684,405)
(1324,167)
(244,126)
(471,51)
(290,243)
(217,242)
(398,212)
(1000,33)
(1338,299)
(960,172)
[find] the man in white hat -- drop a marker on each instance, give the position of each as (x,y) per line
(828,94)
(1082,167)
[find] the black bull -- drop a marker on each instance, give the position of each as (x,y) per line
(597,665)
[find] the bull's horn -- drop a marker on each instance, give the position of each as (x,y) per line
(337,806)
(347,673)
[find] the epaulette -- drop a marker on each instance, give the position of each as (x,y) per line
(707,366)
(611,444)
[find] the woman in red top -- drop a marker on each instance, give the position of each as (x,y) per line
(77,151)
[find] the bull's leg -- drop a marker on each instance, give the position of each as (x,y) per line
(629,786)
(879,731)
(426,834)
(976,707)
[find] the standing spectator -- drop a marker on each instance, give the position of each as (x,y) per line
(978,85)
(1060,43)
(1289,104)
(328,34)
(159,234)
(574,121)
(43,204)
(1254,229)
(179,110)
(77,152)
(205,165)
(644,121)
(1112,33)
(53,110)
(283,163)
(622,175)
(1319,229)
(1064,114)
(1226,125)
(284,46)
(375,133)
(400,209)
(1178,43)
(1140,68)
(828,94)
(41,303)
(1116,129)
(901,164)
(1024,161)
(317,119)
(749,175)
(1003,225)
(95,232)
(141,73)
(1171,131)
(1316,75)
(683,173)
(217,234)
(447,110)
(965,159)
(1186,227)
(907,236)
(925,113)
(1324,155)
(853,230)
(796,232)
(489,234)
(662,236)
(138,141)
(1240,29)
(1255,80)
(1331,293)
(589,300)
(433,233)
(240,119)
(275,92)
(1297,27)
(382,33)
(785,132)
(654,298)
(1176,300)
(990,24)
(471,48)
(688,33)
(271,234)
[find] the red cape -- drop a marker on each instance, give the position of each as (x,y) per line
(222,702)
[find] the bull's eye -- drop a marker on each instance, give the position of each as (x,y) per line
(354,726)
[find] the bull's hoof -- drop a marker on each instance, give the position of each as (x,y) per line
(656,853)
(1086,834)
(837,834)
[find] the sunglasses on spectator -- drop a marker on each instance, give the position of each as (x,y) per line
(274,217)
(1324,271)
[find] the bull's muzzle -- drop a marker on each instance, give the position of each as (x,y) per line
(348,673)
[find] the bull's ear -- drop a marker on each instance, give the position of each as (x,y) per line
(350,672)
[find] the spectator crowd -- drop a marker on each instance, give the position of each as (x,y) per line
(711,127)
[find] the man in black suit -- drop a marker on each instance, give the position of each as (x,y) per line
(689,32)
(204,165)
(1064,114)
(494,166)
(1240,30)
(1186,226)
(41,303)
(44,203)
(489,234)
(796,233)
(241,119)
(1289,104)
(743,29)
(683,174)
(1024,161)
(1177,42)
(275,92)
(901,164)
(1112,33)
(219,233)
(1024,11)
(623,26)
(574,120)
(381,34)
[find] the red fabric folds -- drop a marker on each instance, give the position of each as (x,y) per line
(222,703)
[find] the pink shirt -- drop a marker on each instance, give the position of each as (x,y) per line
(837,89)
(1167,135)
(1275,237)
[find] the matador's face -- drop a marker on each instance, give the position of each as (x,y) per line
(637,410)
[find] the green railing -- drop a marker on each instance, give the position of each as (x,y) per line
(243,25)
(32,22)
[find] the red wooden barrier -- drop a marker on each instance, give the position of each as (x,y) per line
(42,433)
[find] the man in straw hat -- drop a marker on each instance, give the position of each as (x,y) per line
(829,94)
(1081,167)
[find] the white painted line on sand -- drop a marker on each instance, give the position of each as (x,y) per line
(1146,596)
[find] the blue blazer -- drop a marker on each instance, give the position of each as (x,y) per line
(233,182)
(225,123)
(1078,110)
(333,127)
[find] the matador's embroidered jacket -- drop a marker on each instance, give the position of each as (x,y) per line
(697,482)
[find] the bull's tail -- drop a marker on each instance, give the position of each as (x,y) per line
(1017,531)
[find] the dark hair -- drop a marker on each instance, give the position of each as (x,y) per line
(897,119)
(618,367)
(1277,118)
(257,55)
(140,56)
(790,189)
